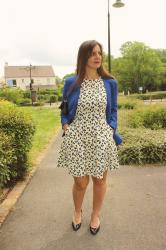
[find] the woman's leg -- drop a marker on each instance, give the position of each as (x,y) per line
(79,188)
(99,190)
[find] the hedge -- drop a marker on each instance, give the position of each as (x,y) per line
(23,98)
(7,158)
(12,94)
(152,117)
(149,96)
(18,124)
(142,146)
(127,102)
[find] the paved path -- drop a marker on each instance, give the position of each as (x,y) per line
(133,215)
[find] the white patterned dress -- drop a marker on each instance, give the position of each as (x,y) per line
(88,147)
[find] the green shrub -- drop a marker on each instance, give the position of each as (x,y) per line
(120,105)
(25,102)
(125,102)
(40,103)
(154,118)
(27,94)
(129,105)
(40,97)
(15,122)
(45,97)
(142,146)
(7,158)
(149,96)
(53,98)
(12,94)
(5,103)
(46,92)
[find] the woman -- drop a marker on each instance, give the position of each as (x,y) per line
(88,148)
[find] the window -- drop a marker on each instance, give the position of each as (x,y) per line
(48,80)
(22,80)
(14,83)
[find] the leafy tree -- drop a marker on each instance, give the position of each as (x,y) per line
(139,66)
(58,80)
(68,75)
(162,54)
(59,87)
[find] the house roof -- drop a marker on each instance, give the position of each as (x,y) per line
(24,71)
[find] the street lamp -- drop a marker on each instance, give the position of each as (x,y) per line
(117,4)
(30,76)
(33,92)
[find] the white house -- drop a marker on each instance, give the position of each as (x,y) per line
(22,76)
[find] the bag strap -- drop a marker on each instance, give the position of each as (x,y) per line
(70,90)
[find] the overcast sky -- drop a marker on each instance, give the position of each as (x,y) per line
(44,32)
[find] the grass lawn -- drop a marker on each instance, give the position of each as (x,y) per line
(47,121)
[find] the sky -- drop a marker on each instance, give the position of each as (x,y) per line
(49,32)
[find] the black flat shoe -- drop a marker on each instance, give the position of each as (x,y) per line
(76,226)
(94,230)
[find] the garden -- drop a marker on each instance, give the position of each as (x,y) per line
(143,130)
(25,131)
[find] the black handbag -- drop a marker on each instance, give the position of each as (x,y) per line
(64,106)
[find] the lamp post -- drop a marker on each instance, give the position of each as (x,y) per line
(30,76)
(117,4)
(33,92)
(30,85)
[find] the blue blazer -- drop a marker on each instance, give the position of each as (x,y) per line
(111,108)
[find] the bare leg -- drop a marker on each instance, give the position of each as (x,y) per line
(79,188)
(99,190)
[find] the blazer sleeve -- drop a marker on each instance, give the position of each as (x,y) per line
(64,118)
(113,115)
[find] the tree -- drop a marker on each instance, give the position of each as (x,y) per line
(68,75)
(162,54)
(139,66)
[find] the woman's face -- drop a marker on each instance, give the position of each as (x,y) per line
(95,60)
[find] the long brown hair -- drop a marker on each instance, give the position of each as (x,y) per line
(84,52)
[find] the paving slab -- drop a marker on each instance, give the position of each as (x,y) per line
(133,215)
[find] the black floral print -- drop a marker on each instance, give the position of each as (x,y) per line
(88,147)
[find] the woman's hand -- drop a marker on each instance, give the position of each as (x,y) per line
(114,130)
(65,127)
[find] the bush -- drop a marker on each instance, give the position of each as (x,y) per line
(154,118)
(5,103)
(44,98)
(36,104)
(53,98)
(47,92)
(149,96)
(27,94)
(25,102)
(125,102)
(7,158)
(142,146)
(18,124)
(12,94)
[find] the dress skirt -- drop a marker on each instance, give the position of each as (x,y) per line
(88,147)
